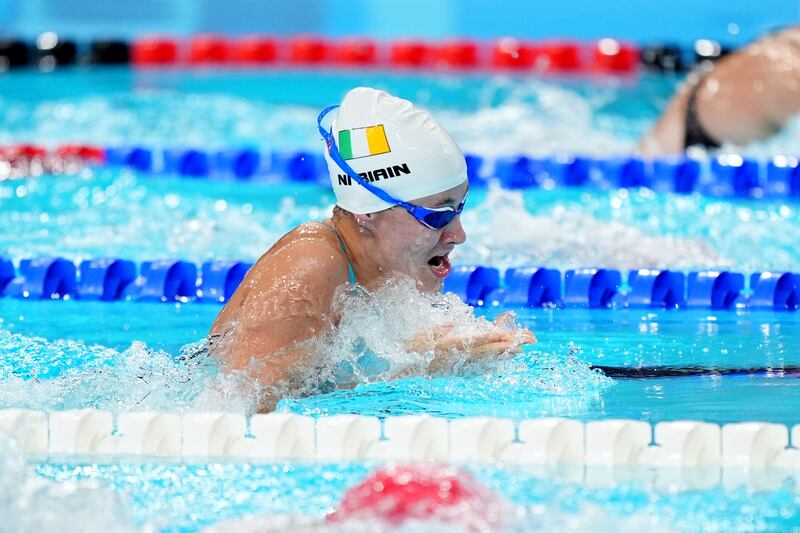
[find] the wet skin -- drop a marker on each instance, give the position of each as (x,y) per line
(746,96)
(286,297)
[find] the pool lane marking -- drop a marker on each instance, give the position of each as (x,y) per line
(648,372)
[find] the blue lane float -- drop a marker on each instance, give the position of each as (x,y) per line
(650,288)
(783,176)
(472,283)
(778,291)
(164,281)
(105,279)
(241,164)
(110,279)
(532,287)
(623,172)
(6,274)
(220,279)
(520,172)
(304,167)
(570,170)
(735,176)
(724,175)
(189,163)
(676,174)
(43,278)
(591,287)
(476,168)
(713,290)
(137,158)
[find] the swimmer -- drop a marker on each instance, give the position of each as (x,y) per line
(743,97)
(400,183)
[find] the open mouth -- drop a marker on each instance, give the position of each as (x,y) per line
(440,265)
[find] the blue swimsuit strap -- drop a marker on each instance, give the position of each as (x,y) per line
(350,271)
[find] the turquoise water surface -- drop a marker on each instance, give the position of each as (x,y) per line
(650,365)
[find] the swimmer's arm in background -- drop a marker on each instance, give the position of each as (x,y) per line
(667,134)
(285,300)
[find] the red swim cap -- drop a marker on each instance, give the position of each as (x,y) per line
(395,494)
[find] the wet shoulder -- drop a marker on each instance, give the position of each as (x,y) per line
(306,261)
(310,251)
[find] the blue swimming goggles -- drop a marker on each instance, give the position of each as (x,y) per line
(433,218)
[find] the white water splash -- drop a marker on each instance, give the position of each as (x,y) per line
(31,504)
(54,375)
(544,518)
(538,118)
(502,232)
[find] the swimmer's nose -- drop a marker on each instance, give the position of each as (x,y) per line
(454,232)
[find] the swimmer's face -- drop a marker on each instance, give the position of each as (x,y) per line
(407,247)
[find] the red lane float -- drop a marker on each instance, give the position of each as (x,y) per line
(16,152)
(411,54)
(513,53)
(606,55)
(154,51)
(396,494)
(357,52)
(561,56)
(610,55)
(28,152)
(87,153)
(254,49)
(309,50)
(459,54)
(208,49)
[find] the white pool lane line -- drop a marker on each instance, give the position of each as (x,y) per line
(679,446)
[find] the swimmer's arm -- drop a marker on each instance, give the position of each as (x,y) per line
(288,300)
(667,134)
(447,349)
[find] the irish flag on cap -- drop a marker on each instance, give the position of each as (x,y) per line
(363,142)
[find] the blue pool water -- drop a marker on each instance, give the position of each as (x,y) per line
(650,365)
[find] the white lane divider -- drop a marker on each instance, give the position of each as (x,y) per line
(81,432)
(28,428)
(686,443)
(413,438)
(213,434)
(287,437)
(149,433)
(753,444)
(480,439)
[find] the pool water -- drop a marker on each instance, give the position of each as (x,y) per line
(652,365)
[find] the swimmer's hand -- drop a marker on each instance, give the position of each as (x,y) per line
(505,342)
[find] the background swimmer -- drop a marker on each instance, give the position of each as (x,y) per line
(400,183)
(745,96)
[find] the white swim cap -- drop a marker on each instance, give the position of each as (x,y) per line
(394,146)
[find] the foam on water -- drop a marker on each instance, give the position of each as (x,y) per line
(55,375)
(372,341)
(382,336)
(519,519)
(491,115)
(31,504)
(118,213)
(495,115)
(186,497)
(113,212)
(201,120)
(567,236)
(538,118)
